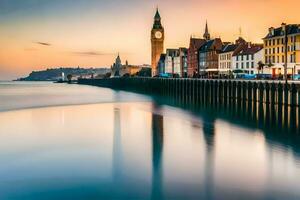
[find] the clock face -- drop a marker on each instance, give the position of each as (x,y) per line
(158,34)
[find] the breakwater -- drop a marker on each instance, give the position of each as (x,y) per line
(269,103)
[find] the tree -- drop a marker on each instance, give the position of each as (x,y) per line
(270,65)
(261,66)
(69,77)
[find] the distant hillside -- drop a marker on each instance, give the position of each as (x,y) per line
(55,74)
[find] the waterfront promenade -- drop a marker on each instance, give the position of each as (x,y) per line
(272,103)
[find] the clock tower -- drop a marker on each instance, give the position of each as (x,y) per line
(157,42)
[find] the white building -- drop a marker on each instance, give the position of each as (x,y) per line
(248,58)
(225,59)
(172,61)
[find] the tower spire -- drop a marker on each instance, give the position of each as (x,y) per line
(157,15)
(206,34)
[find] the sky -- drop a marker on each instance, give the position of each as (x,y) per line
(40,34)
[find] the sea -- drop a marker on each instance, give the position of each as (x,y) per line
(69,141)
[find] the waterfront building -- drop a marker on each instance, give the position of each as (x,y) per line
(225,66)
(172,61)
(130,70)
(192,59)
(157,42)
(176,62)
(116,67)
(208,57)
(119,70)
(183,61)
(274,49)
(161,64)
(248,57)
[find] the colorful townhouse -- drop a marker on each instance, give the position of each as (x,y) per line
(274,49)
(248,59)
(226,56)
(208,58)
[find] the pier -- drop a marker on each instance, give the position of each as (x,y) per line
(267,102)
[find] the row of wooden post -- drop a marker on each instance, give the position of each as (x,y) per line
(265,101)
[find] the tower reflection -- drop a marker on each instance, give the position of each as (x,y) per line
(117,146)
(209,137)
(157,154)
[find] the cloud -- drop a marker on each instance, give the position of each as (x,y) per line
(43,43)
(91,53)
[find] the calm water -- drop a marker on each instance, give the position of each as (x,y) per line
(78,142)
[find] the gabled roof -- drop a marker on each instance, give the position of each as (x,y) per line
(250,49)
(229,48)
(209,44)
(196,43)
(206,45)
(291,29)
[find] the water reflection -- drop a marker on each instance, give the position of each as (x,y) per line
(209,138)
(145,151)
(117,146)
(157,154)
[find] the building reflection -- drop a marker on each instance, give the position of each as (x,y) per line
(209,137)
(117,146)
(157,156)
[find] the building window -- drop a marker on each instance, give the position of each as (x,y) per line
(273,50)
(278,41)
(252,64)
(274,42)
(237,58)
(266,51)
(237,65)
(247,64)
(277,49)
(282,59)
(252,57)
(277,59)
(247,57)
(282,49)
(242,66)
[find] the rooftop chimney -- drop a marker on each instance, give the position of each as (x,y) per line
(249,45)
(271,31)
(283,27)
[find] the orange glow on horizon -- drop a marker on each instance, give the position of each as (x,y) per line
(93,38)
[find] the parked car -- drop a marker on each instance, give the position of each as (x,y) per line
(296,77)
(264,76)
(239,74)
(165,75)
(250,76)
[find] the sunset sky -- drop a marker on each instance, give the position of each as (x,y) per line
(38,34)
